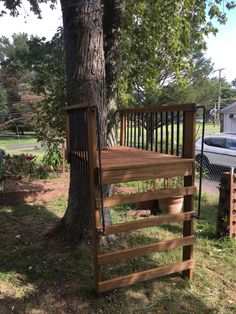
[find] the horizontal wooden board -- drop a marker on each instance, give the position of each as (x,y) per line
(162,108)
(145,249)
(146,196)
(144,275)
(148,222)
(146,173)
(122,157)
(78,106)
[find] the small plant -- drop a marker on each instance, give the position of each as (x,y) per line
(53,157)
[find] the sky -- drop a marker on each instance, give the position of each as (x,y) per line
(221,48)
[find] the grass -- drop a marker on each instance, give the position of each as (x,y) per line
(39,274)
(6,142)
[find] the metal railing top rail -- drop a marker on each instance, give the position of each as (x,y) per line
(161,108)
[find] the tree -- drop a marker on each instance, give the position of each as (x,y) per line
(46,61)
(83,40)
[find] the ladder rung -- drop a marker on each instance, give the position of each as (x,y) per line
(144,275)
(145,249)
(148,222)
(146,196)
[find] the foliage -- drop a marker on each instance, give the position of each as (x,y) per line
(159,41)
(15,78)
(24,167)
(3,101)
(53,157)
(46,60)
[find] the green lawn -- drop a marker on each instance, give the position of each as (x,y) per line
(41,274)
(6,142)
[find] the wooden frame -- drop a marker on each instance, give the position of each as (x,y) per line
(181,166)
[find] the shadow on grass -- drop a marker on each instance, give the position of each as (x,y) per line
(50,275)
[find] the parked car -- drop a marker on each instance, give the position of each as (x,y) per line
(218,149)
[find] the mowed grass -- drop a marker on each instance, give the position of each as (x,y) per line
(6,142)
(41,274)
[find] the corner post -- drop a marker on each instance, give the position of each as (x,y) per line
(189,128)
(92,148)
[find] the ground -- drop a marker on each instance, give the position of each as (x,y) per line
(43,274)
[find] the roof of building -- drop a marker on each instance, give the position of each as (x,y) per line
(230,109)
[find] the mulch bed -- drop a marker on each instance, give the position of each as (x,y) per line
(19,192)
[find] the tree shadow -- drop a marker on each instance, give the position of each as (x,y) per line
(51,275)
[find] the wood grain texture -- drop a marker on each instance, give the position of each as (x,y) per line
(145,249)
(162,108)
(144,275)
(146,196)
(148,222)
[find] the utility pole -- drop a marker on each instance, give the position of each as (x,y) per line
(219,96)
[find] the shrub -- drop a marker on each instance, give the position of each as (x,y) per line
(23,166)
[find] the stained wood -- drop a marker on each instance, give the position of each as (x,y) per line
(162,108)
(145,249)
(94,195)
(147,172)
(146,196)
(148,222)
(144,275)
(78,106)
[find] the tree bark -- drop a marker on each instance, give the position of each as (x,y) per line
(112,22)
(85,70)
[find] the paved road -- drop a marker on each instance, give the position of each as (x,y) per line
(25,146)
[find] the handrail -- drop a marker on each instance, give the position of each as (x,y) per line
(77,106)
(161,108)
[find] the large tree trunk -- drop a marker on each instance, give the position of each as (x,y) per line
(85,69)
(112,21)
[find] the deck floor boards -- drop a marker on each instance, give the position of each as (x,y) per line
(122,157)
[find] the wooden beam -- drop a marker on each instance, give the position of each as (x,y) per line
(148,222)
(162,108)
(146,196)
(145,249)
(145,173)
(144,275)
(78,106)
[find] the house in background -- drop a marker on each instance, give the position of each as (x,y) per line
(228,118)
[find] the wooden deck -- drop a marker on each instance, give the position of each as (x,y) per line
(124,164)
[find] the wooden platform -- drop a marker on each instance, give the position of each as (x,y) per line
(124,164)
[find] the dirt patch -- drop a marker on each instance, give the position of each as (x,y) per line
(20,192)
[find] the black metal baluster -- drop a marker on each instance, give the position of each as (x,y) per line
(172,133)
(131,130)
(135,117)
(183,143)
(152,133)
(177,140)
(161,132)
(156,127)
(147,130)
(127,129)
(142,130)
(167,133)
(138,130)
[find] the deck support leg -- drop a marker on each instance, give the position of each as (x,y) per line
(188,227)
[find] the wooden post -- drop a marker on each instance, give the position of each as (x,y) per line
(94,194)
(67,151)
(122,128)
(188,152)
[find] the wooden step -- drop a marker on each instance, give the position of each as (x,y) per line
(145,249)
(148,222)
(146,196)
(144,275)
